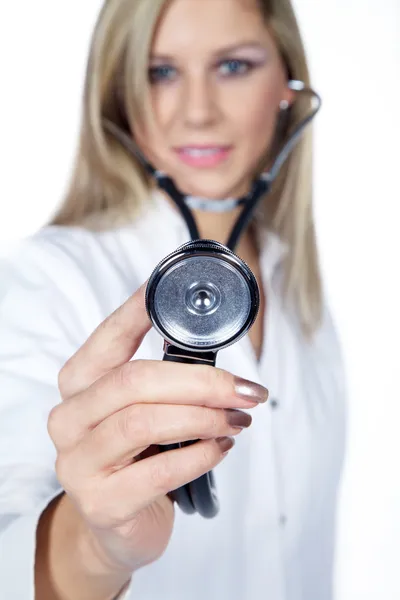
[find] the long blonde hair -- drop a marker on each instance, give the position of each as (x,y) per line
(109,187)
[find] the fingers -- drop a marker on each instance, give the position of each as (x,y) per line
(113,343)
(124,435)
(122,495)
(148,382)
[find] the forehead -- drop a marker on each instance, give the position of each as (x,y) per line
(186,24)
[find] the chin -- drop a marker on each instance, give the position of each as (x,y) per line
(212,187)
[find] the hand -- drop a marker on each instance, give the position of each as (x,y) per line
(116,412)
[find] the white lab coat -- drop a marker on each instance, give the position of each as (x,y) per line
(274,536)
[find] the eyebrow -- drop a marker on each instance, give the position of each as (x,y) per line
(220,52)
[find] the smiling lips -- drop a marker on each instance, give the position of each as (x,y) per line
(203,156)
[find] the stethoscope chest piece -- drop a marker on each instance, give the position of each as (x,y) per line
(201,298)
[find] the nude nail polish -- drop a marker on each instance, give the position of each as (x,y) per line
(225,443)
(237,418)
(248,390)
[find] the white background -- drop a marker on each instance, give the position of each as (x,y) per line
(354,54)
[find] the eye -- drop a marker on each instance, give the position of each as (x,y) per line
(161,73)
(235,67)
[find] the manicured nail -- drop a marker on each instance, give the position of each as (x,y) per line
(225,443)
(248,390)
(238,418)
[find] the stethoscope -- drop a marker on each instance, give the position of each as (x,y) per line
(202,297)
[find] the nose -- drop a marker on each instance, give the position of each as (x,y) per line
(199,102)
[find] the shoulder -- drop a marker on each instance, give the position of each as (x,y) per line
(50,258)
(54,245)
(61,270)
(50,245)
(327,340)
(74,250)
(325,356)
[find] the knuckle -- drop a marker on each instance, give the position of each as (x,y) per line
(88,494)
(206,456)
(213,422)
(129,373)
(207,380)
(224,385)
(123,375)
(53,422)
(63,470)
(133,424)
(216,383)
(161,474)
(63,379)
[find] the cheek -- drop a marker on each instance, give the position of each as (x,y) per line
(257,117)
(152,142)
(164,105)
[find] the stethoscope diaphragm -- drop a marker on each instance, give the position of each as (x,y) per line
(202,297)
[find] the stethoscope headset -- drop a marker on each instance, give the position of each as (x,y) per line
(202,297)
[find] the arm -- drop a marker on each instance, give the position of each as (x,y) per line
(39,330)
(67,565)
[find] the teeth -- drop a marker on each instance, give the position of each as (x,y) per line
(197,152)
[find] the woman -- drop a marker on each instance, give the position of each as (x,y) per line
(86,510)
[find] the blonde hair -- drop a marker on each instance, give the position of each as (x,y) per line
(109,187)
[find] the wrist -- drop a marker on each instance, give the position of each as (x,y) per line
(90,555)
(68,564)
(96,560)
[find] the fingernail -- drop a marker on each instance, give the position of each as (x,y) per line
(225,443)
(248,390)
(238,418)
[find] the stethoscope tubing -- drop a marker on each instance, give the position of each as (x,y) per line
(199,496)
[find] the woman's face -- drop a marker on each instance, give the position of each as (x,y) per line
(216,83)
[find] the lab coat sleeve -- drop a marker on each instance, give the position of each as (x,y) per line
(41,326)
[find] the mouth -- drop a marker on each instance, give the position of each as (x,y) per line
(203,156)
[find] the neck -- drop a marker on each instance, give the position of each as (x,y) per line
(218,226)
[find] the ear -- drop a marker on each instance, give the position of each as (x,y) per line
(288,97)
